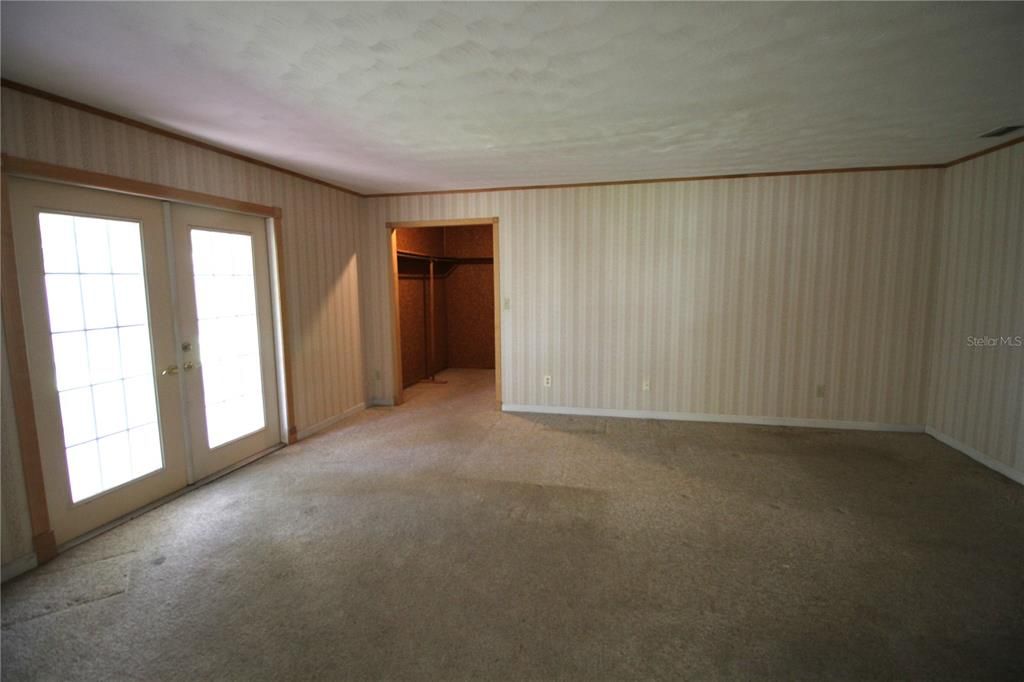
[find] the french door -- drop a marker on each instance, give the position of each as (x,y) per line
(150,345)
(223,294)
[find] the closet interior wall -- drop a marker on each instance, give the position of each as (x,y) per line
(413,298)
(470,293)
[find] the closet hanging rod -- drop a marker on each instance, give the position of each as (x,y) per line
(423,256)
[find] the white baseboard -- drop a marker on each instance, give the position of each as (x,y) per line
(13,569)
(329,422)
(721,418)
(976,455)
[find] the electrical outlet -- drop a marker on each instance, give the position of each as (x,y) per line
(507,303)
(820,391)
(647,384)
(547,380)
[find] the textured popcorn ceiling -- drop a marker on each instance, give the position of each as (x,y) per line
(396,97)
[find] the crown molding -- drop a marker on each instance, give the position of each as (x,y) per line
(983,152)
(654,181)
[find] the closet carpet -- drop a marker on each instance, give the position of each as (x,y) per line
(445,540)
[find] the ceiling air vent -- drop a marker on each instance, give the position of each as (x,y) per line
(999,132)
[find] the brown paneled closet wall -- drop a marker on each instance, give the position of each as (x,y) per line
(470,294)
(463,302)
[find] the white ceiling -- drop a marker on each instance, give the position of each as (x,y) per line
(386,97)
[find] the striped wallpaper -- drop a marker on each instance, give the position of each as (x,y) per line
(742,297)
(977,391)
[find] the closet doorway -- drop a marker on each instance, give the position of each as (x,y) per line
(445,300)
(149,333)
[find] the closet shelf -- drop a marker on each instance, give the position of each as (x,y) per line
(417,265)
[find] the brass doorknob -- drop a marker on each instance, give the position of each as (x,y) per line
(173,369)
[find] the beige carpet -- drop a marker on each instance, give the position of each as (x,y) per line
(443,539)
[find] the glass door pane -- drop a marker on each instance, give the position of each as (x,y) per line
(102,354)
(222,264)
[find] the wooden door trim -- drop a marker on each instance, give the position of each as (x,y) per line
(27,168)
(44,543)
(396,330)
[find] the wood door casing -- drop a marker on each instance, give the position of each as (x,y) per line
(399,240)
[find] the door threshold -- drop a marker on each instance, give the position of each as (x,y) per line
(110,525)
